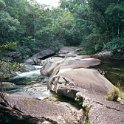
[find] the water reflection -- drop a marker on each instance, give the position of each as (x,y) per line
(113,70)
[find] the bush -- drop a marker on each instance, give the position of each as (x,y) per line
(116,44)
(115,94)
(93,43)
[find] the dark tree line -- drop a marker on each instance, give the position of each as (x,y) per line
(93,24)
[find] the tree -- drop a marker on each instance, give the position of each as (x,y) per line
(97,22)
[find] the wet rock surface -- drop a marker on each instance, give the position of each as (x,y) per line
(38,91)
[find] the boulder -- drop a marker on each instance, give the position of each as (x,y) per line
(49,64)
(67,52)
(103,54)
(89,80)
(89,88)
(7,86)
(44,54)
(29,61)
(80,63)
(36,59)
(60,112)
(70,62)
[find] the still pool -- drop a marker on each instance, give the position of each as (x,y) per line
(113,70)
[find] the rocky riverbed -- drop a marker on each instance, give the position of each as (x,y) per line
(73,77)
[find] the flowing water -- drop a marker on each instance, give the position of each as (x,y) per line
(31,82)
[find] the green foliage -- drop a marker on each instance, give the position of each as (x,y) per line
(7,69)
(116,44)
(114,8)
(2,4)
(5,47)
(93,24)
(98,22)
(8,26)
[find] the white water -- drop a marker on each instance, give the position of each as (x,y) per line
(38,91)
(31,74)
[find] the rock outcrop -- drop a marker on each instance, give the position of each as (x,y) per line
(89,80)
(59,112)
(89,86)
(36,59)
(11,56)
(74,78)
(70,62)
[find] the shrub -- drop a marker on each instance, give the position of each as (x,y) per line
(115,95)
(116,44)
(93,43)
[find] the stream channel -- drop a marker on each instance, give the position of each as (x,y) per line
(33,84)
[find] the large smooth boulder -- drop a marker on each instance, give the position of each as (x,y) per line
(89,80)
(70,62)
(36,59)
(60,112)
(89,86)
(78,62)
(44,54)
(49,65)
